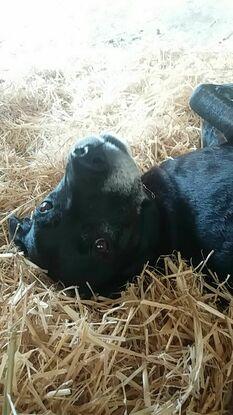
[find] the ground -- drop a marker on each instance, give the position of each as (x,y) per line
(58,33)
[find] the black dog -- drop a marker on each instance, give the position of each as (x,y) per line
(104,220)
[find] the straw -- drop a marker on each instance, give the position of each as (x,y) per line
(165,346)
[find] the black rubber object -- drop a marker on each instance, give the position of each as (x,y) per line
(214,103)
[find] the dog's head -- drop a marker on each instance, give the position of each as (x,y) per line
(93,226)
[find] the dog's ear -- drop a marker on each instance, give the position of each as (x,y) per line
(149,221)
(148,193)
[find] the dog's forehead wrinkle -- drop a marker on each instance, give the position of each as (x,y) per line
(97,230)
(107,229)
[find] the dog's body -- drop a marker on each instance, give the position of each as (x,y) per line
(104,220)
(195,195)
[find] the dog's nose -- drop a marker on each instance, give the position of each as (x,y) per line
(91,156)
(81,151)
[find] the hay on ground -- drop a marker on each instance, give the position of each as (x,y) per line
(165,346)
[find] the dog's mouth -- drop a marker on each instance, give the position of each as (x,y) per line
(18,229)
(13,224)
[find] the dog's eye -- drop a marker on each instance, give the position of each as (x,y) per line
(45,206)
(101,246)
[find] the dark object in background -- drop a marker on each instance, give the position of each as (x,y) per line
(214,104)
(104,220)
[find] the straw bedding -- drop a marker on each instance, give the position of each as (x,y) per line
(165,346)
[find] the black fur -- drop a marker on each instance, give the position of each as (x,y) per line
(185,204)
